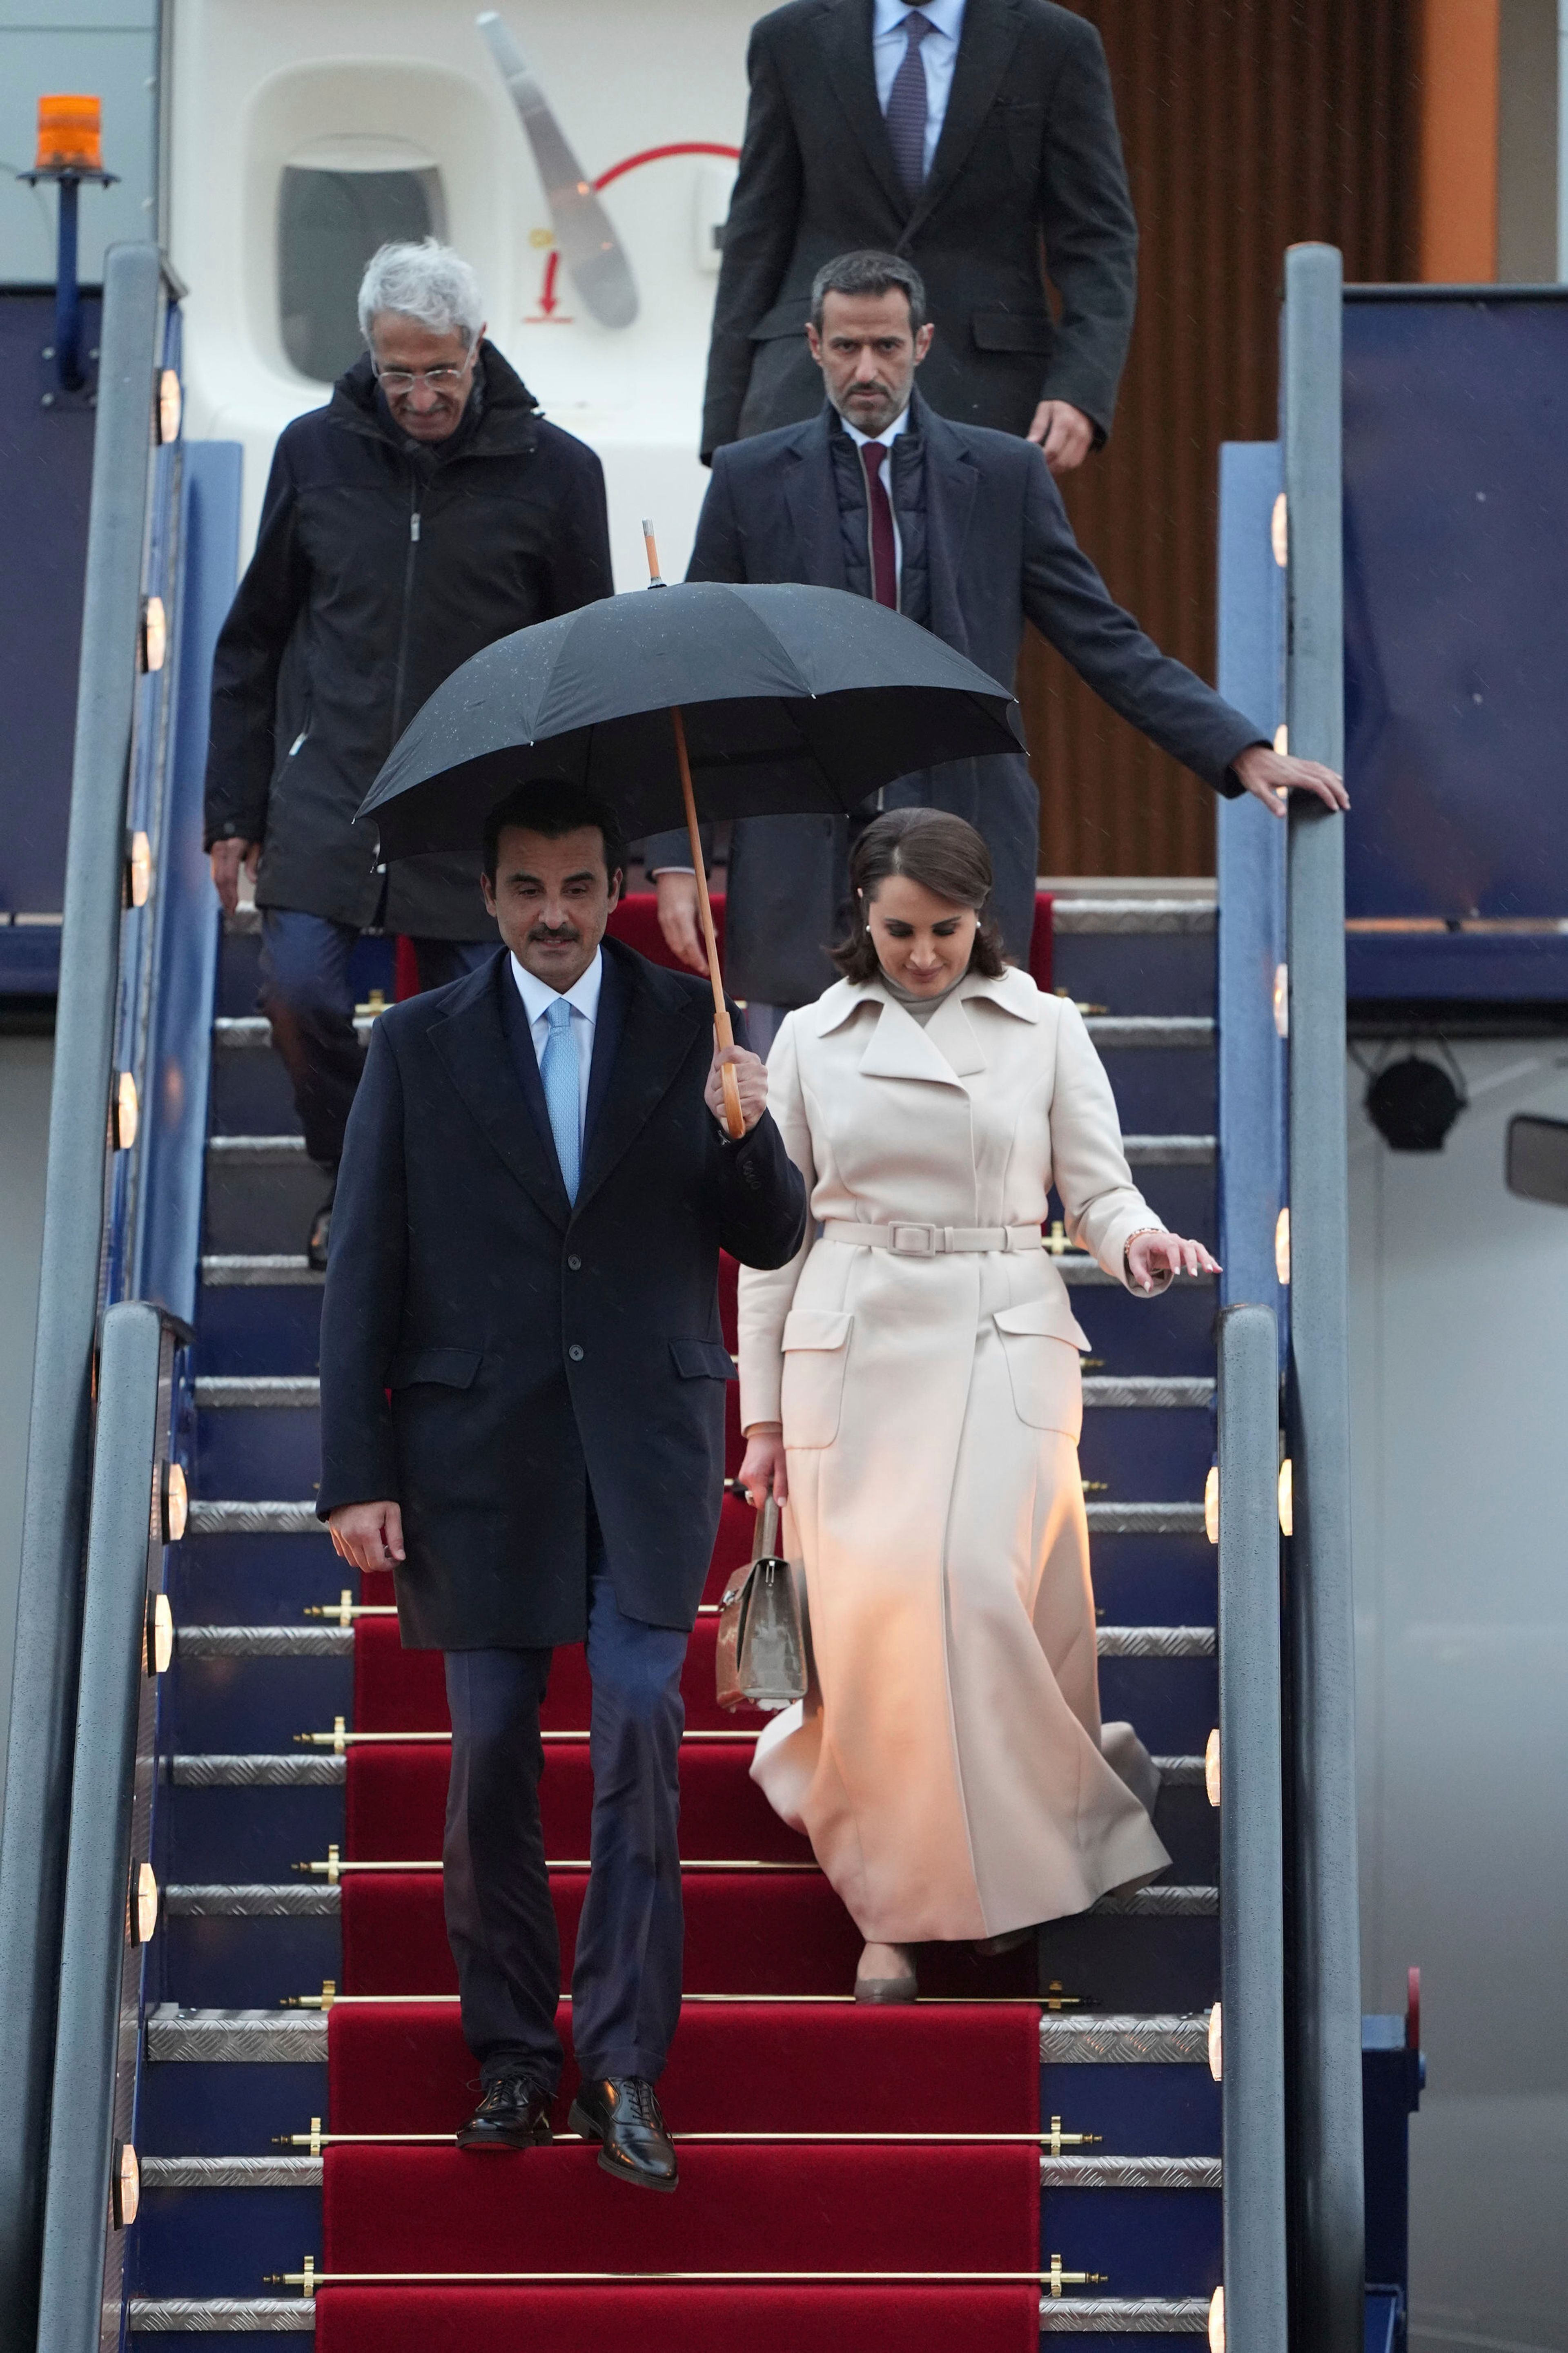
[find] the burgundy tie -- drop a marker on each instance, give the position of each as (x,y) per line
(884,548)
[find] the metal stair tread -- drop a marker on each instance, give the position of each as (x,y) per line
(302,1899)
(1133,2316)
(243,1032)
(198,1769)
(1124,2038)
(268,1517)
(234,2316)
(329,1642)
(299,2037)
(1075,917)
(253,2037)
(217,1392)
(1142,1151)
(241,1270)
(191,1769)
(233,2172)
(1111,1031)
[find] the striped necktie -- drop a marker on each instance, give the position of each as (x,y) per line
(907,106)
(558,1069)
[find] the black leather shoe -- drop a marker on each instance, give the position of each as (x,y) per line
(623,2115)
(513,2113)
(320,1234)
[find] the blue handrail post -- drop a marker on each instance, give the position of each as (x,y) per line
(1252,1919)
(60,1436)
(1329,2217)
(99,1965)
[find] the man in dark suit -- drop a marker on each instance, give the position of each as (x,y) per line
(523,1415)
(964,530)
(959,134)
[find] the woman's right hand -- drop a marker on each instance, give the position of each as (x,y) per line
(764,1465)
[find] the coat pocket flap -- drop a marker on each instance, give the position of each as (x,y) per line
(1048,1319)
(815,1327)
(703,1360)
(1012,330)
(452,1368)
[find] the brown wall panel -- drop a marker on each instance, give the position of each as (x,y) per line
(1249,125)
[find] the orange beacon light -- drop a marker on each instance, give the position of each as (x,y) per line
(70,133)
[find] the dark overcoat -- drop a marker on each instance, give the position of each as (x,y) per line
(491,1351)
(1029,152)
(378,570)
(994,549)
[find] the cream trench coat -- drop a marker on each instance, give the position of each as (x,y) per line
(948,1764)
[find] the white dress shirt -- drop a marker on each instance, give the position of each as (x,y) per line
(583,997)
(939,55)
(898,424)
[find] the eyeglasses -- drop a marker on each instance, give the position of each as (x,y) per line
(436,379)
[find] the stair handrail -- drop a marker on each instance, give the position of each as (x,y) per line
(93,2183)
(1252,1923)
(1323,1916)
(59,1440)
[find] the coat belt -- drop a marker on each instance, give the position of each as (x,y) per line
(910,1239)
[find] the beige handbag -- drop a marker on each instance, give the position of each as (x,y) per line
(761,1659)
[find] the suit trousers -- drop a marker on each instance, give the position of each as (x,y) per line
(307,995)
(501,1921)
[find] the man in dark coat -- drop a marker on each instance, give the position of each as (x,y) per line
(523,1414)
(427,510)
(960,134)
(964,530)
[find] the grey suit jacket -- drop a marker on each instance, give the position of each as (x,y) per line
(1000,551)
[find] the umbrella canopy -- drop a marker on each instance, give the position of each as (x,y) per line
(796,699)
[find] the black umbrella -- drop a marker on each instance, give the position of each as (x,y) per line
(776,699)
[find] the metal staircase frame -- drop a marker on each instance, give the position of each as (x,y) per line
(1290,1984)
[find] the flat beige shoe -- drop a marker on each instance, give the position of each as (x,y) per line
(886,1973)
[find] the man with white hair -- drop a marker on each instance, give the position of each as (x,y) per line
(424,512)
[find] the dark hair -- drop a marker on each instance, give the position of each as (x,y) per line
(871,273)
(940,853)
(552,807)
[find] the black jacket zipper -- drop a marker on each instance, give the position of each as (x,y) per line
(409,563)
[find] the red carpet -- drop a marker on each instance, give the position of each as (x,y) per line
(762,2067)
(761,2209)
(405,1691)
(678,2320)
(398,1803)
(398,2065)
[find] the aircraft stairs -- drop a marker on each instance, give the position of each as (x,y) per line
(258,2069)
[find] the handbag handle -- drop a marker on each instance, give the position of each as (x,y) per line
(768,1518)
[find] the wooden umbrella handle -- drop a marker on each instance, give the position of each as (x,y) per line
(734,1118)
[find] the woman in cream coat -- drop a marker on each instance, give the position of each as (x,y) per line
(910,1385)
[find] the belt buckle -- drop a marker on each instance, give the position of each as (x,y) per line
(922,1246)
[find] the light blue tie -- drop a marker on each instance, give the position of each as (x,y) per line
(558,1069)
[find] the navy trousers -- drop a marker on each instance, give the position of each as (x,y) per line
(305,994)
(500,1922)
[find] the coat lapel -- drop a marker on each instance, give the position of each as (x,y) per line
(845,50)
(898,1047)
(811,501)
(985,46)
(657,1024)
(952,481)
(475,1051)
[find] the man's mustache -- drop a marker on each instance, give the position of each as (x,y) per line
(556,936)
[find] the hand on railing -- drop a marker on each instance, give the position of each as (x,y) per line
(1269,776)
